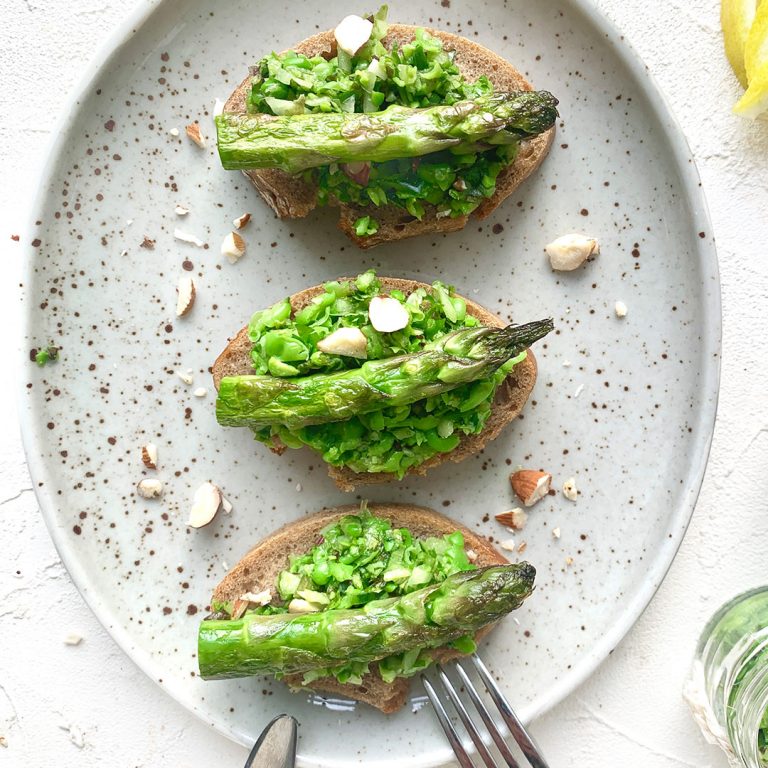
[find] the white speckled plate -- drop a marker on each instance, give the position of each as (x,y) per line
(626,406)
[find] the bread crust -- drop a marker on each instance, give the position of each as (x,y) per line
(510,398)
(259,568)
(290,197)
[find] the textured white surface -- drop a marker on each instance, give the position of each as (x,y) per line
(88,705)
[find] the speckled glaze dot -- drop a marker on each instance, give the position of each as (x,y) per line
(629,416)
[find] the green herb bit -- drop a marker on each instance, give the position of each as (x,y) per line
(46,355)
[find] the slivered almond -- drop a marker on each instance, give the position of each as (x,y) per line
(387,314)
(149,455)
(239,607)
(205,505)
(299,605)
(258,598)
(186,237)
(530,485)
(515,518)
(181,210)
(193,131)
(186,297)
(347,342)
(241,221)
(352,33)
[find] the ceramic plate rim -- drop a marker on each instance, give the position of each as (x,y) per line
(712,346)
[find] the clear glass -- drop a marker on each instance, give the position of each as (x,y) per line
(732,655)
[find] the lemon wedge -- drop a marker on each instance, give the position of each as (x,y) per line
(755,100)
(737,18)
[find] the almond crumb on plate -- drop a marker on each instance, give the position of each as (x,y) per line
(621,309)
(149,455)
(515,518)
(185,376)
(150,488)
(242,220)
(205,505)
(569,489)
(522,547)
(556,533)
(569,252)
(530,485)
(73,639)
(193,131)
(508,544)
(200,392)
(186,237)
(181,210)
(233,247)
(186,295)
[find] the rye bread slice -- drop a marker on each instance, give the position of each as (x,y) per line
(259,568)
(511,396)
(290,197)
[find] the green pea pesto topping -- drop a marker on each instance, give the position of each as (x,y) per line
(419,73)
(361,558)
(392,439)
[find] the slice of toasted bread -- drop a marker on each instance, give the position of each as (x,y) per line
(258,570)
(511,396)
(290,197)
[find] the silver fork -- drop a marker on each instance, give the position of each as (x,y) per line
(519,734)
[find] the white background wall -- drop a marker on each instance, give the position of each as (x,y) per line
(88,705)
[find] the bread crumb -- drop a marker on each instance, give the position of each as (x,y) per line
(569,561)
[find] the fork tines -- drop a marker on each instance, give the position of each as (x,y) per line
(510,719)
